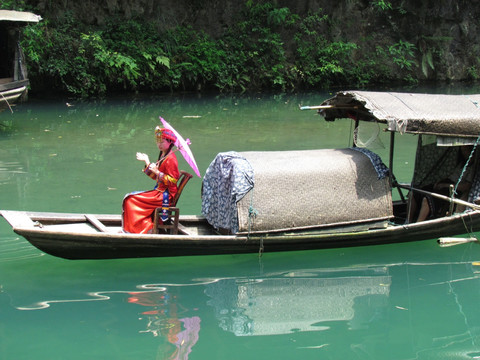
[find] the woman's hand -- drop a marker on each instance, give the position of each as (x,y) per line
(143,157)
(153,168)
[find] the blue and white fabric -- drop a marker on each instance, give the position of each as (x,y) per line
(228,178)
(380,167)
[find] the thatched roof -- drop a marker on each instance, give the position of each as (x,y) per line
(20,16)
(271,191)
(313,188)
(449,115)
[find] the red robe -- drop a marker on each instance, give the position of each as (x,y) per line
(138,207)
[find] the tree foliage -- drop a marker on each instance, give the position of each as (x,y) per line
(266,47)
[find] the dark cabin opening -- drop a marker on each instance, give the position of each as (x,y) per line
(7,51)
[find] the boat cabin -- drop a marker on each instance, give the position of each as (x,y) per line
(446,164)
(351,189)
(13,71)
(280,191)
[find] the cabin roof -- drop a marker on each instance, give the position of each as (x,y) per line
(447,115)
(19,16)
(273,191)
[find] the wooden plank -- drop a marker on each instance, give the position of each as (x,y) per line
(17,219)
(13,85)
(95,222)
(61,218)
(183,230)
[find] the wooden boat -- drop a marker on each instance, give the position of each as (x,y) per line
(74,236)
(13,71)
(343,197)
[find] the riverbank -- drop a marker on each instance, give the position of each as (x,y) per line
(90,49)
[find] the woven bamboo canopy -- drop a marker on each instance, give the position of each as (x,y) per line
(19,16)
(447,115)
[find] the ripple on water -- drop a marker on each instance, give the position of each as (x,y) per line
(8,171)
(16,248)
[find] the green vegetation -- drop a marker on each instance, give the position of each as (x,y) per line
(320,60)
(382,5)
(265,47)
(13,5)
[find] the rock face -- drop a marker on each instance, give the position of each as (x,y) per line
(444,32)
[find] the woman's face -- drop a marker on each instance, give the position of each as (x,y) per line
(163,145)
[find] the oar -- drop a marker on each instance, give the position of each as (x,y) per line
(443,197)
(448,241)
(317,107)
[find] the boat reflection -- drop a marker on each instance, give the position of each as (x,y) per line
(300,301)
(420,310)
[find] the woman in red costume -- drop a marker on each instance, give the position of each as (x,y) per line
(138,207)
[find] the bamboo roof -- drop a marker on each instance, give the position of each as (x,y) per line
(312,188)
(20,16)
(447,115)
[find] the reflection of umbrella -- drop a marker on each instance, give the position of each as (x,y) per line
(182,145)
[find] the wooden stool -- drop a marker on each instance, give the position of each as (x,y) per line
(171,225)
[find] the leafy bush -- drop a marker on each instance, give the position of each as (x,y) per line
(266,47)
(321,61)
(54,56)
(195,60)
(254,49)
(124,55)
(18,5)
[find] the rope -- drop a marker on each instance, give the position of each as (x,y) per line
(470,231)
(8,104)
(260,250)
(252,214)
(466,165)
(471,153)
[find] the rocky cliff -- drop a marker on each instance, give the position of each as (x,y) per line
(443,35)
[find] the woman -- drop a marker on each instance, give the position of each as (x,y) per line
(138,207)
(431,207)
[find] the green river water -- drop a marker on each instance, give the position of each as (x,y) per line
(404,301)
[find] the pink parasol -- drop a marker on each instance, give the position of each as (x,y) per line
(182,145)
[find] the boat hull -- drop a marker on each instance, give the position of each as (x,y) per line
(95,244)
(11,92)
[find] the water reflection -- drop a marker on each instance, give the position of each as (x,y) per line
(422,310)
(429,315)
(163,315)
(300,301)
